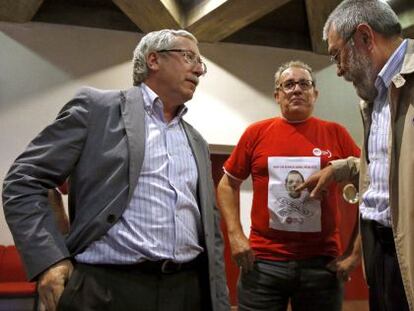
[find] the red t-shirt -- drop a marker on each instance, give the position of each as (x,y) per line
(277,146)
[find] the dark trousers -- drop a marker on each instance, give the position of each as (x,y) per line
(117,288)
(307,284)
(386,293)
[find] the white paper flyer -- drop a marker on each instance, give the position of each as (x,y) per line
(290,210)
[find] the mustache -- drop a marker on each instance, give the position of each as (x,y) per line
(193,79)
(296,98)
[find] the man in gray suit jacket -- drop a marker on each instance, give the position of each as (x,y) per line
(145,231)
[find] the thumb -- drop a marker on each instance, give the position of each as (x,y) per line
(42,307)
(317,191)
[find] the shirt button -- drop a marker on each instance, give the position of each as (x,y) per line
(111,218)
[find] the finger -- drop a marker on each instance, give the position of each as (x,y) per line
(250,261)
(240,263)
(50,295)
(237,259)
(245,266)
(243,262)
(48,301)
(317,191)
(301,187)
(344,276)
(57,292)
(251,257)
(41,306)
(331,266)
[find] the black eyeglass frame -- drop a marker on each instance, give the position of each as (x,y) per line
(334,58)
(192,60)
(309,84)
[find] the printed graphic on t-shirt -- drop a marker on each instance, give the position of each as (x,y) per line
(290,210)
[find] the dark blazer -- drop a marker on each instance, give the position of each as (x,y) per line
(98,142)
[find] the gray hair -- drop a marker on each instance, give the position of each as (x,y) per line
(296,64)
(154,41)
(350,13)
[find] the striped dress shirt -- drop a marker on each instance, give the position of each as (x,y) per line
(375,201)
(162,220)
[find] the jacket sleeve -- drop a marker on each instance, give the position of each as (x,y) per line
(220,277)
(46,163)
(346,169)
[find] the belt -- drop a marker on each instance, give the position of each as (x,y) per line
(161,266)
(165,266)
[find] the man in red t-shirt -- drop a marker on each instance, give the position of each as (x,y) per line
(294,251)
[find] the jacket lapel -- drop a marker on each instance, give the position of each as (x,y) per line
(133,114)
(200,160)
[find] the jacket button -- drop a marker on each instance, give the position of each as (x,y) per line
(111,218)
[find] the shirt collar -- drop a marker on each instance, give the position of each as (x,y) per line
(296,122)
(391,67)
(153,103)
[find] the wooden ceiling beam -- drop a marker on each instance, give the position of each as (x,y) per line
(318,12)
(150,15)
(407,22)
(280,39)
(212,21)
(19,11)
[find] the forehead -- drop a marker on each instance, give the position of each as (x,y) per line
(334,40)
(295,73)
(294,176)
(186,43)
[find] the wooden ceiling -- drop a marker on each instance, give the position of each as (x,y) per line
(292,24)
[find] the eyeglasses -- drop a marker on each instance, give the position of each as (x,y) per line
(189,56)
(290,85)
(335,58)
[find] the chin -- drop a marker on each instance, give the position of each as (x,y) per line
(187,93)
(187,96)
(365,94)
(301,115)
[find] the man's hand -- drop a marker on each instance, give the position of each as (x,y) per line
(343,266)
(241,251)
(317,184)
(52,282)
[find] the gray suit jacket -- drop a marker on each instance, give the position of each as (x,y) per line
(98,141)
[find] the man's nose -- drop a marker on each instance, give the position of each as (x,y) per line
(339,71)
(297,88)
(198,70)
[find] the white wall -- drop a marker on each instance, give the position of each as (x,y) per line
(42,66)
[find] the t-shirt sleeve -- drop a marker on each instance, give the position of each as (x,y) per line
(238,165)
(348,146)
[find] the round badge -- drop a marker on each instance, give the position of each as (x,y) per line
(350,194)
(317,152)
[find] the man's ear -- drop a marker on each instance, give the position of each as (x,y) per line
(365,35)
(316,92)
(276,95)
(153,61)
